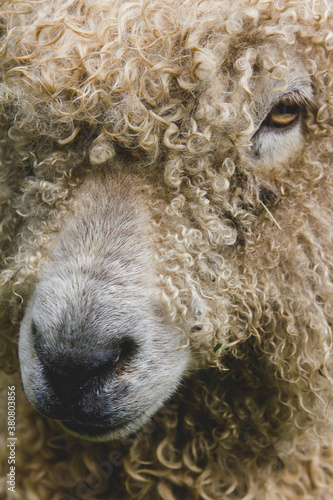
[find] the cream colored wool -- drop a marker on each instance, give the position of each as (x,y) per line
(172,97)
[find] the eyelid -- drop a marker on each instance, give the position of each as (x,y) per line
(302,97)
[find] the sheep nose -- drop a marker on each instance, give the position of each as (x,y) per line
(67,377)
(71,372)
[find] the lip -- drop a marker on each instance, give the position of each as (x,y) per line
(89,431)
(103,432)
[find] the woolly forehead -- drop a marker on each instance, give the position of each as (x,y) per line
(149,60)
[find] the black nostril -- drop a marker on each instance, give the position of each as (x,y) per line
(127,350)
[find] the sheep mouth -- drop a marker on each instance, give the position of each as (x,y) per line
(101,432)
(89,431)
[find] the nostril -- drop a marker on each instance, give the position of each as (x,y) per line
(127,351)
(34,331)
(66,386)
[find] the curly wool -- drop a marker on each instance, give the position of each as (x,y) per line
(172,89)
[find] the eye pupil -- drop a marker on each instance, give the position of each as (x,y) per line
(285,109)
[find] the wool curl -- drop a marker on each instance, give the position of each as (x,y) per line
(168,88)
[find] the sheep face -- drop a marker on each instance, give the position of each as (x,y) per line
(168,190)
(97,351)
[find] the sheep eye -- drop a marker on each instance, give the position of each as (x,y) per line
(284,114)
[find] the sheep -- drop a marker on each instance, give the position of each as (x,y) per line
(166,249)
